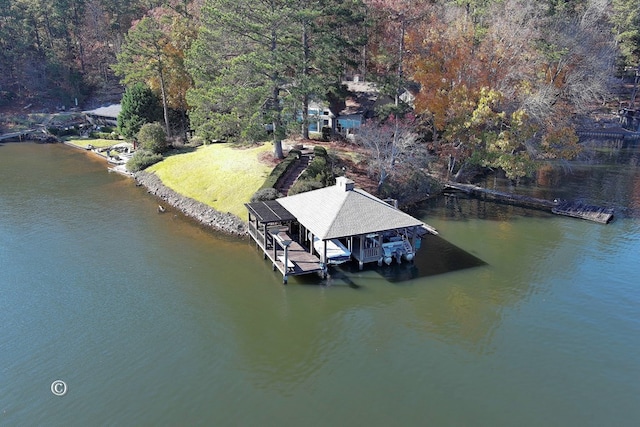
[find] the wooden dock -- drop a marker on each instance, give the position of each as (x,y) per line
(17,136)
(286,255)
(608,133)
(582,211)
(572,209)
(28,135)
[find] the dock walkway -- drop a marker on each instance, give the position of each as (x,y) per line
(582,211)
(20,135)
(609,133)
(298,259)
(572,209)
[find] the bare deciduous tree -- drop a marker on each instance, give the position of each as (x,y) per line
(386,144)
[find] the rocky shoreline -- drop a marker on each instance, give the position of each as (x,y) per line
(206,215)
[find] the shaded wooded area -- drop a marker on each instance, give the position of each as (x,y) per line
(498,84)
(65,49)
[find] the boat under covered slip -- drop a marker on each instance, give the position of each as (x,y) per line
(337,253)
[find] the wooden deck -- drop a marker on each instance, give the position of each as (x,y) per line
(299,260)
(608,133)
(572,209)
(582,211)
(20,135)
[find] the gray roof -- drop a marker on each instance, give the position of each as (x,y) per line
(111,111)
(342,210)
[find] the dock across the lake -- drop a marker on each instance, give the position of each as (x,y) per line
(580,210)
(583,211)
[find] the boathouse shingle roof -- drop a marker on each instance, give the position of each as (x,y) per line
(342,210)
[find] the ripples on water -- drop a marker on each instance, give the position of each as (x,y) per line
(509,317)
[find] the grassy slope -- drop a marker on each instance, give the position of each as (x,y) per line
(97,143)
(218,175)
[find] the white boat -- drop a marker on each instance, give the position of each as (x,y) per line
(337,253)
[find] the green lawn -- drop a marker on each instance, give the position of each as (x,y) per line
(219,175)
(97,143)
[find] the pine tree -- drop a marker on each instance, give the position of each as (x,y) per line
(240,65)
(260,62)
(139,106)
(144,56)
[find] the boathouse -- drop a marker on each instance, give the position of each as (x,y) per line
(104,116)
(307,232)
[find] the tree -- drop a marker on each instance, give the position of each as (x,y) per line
(153,138)
(625,18)
(40,50)
(326,47)
(258,63)
(144,57)
(385,144)
(241,63)
(496,96)
(392,19)
(139,106)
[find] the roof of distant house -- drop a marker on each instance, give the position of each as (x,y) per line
(111,111)
(361,87)
(362,99)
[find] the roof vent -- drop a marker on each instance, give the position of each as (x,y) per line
(344,183)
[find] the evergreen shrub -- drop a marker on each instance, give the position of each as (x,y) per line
(319,151)
(265,194)
(281,169)
(304,186)
(153,138)
(142,159)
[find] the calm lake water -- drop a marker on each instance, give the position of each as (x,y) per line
(511,317)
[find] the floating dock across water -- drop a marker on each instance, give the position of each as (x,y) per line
(580,210)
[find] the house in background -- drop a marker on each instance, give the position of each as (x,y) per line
(104,116)
(319,116)
(358,107)
(347,118)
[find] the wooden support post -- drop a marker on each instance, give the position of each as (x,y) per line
(324,251)
(414,236)
(275,248)
(286,258)
(362,239)
(264,233)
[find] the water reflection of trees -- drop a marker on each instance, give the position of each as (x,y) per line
(606,173)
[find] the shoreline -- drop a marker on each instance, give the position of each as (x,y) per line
(204,214)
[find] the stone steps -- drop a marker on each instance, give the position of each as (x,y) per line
(293,174)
